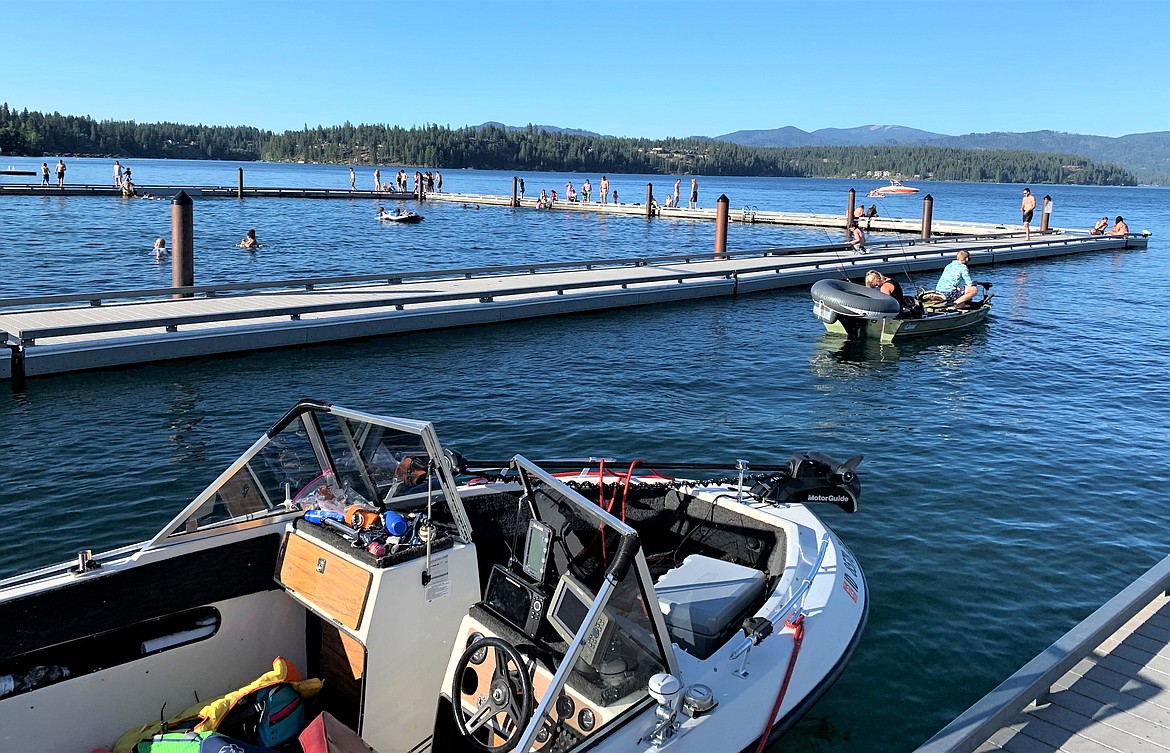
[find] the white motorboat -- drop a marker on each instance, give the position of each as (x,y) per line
(506,608)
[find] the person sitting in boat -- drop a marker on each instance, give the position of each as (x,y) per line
(1119,227)
(1099,228)
(856,238)
(250,241)
(955,282)
(887,285)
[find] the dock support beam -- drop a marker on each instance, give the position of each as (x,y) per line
(240,183)
(182,242)
(721,212)
(649,198)
(927,215)
(515,190)
(849,212)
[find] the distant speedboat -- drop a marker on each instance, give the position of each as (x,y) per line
(894,189)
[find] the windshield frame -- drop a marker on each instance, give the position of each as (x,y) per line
(630,555)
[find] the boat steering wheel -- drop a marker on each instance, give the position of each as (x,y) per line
(505,707)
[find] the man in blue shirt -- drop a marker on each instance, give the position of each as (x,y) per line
(956,282)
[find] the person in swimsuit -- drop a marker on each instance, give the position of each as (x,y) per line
(117,174)
(677,183)
(1027,207)
(249,241)
(856,239)
(1119,227)
(60,174)
(694,202)
(44,173)
(160,248)
(604,189)
(1099,228)
(352,180)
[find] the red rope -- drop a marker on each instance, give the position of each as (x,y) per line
(797,626)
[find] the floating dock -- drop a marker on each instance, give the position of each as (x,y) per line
(746,215)
(64,333)
(1104,686)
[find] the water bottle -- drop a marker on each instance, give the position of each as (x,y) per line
(318,517)
(395,524)
(35,677)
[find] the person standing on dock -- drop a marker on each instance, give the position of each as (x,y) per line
(519,186)
(60,173)
(694,202)
(439,182)
(117,174)
(604,190)
(1027,207)
(677,185)
(377,180)
(586,189)
(44,173)
(615,196)
(352,180)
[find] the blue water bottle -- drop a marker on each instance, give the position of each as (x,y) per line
(320,516)
(395,523)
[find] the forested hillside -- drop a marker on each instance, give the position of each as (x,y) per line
(498,148)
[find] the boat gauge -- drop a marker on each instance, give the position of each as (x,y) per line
(586,720)
(565,707)
(480,655)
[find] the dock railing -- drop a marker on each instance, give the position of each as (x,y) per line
(996,709)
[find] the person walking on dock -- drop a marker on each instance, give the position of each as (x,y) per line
(694,202)
(352,180)
(44,173)
(604,190)
(60,173)
(1027,207)
(117,174)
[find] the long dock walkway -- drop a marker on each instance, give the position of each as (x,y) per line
(63,333)
(1104,687)
(746,215)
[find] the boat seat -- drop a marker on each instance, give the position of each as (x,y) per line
(703,600)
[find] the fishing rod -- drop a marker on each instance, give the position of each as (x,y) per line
(474,465)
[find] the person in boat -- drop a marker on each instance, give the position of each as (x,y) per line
(887,285)
(856,238)
(250,241)
(956,283)
(1119,227)
(1099,228)
(1027,207)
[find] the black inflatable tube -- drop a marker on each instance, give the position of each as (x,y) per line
(851,299)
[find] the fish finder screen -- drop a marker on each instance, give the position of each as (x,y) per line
(536,548)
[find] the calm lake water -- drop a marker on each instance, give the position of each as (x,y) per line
(1014,477)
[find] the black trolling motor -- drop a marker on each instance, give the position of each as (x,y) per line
(813,477)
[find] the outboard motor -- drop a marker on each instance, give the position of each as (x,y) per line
(814,477)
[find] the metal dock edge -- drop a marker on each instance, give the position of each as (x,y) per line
(1104,685)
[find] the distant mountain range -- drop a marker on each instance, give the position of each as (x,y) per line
(1147,155)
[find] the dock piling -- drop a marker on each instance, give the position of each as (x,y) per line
(721,212)
(1045,214)
(240,183)
(649,198)
(515,190)
(849,212)
(182,242)
(927,214)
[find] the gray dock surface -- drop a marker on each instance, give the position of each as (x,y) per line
(56,334)
(1104,687)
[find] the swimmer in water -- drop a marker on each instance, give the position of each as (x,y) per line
(250,241)
(160,248)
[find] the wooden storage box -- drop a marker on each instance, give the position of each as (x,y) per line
(325,579)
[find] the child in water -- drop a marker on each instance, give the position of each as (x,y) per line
(160,248)
(250,241)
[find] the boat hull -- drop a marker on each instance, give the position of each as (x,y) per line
(896,330)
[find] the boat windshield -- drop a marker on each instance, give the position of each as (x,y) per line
(603,603)
(325,457)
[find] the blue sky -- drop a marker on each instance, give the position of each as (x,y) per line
(623,67)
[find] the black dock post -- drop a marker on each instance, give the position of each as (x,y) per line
(240,183)
(721,212)
(849,213)
(649,198)
(182,243)
(927,214)
(515,190)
